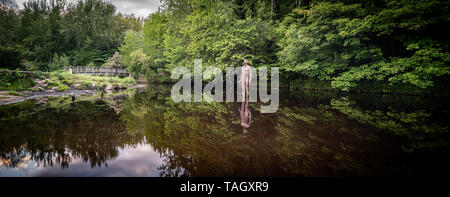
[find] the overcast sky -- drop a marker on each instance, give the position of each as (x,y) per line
(137,7)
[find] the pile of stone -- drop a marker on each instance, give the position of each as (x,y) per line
(111,87)
(41,85)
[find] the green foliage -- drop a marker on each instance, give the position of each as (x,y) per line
(40,75)
(138,62)
(57,80)
(15,81)
(87,32)
(132,42)
(216,34)
(10,57)
(211,31)
(116,61)
(128,22)
(133,45)
(86,81)
(344,43)
(341,42)
(153,38)
(58,62)
(127,81)
(8,24)
(398,42)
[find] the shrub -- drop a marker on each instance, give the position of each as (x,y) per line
(15,81)
(40,75)
(10,57)
(62,87)
(58,62)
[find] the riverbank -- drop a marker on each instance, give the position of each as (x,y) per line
(16,86)
(6,97)
(58,81)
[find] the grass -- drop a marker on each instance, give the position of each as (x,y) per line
(55,82)
(86,81)
(62,80)
(14,93)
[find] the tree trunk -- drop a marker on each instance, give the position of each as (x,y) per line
(271,10)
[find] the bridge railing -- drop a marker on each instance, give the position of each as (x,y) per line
(97,70)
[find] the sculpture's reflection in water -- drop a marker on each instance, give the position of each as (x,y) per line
(246,116)
(245,113)
(147,134)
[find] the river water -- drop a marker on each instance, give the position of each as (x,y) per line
(142,132)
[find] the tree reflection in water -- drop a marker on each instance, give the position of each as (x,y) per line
(312,134)
(308,136)
(90,131)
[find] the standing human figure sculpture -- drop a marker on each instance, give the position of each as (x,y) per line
(245,113)
(246,77)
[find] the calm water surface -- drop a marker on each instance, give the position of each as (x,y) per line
(142,132)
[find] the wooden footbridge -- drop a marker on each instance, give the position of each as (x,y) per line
(99,71)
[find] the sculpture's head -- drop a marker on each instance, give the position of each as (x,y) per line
(245,62)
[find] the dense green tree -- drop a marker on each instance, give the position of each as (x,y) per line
(342,43)
(132,42)
(398,41)
(10,54)
(58,62)
(88,32)
(153,38)
(127,22)
(8,21)
(213,31)
(92,26)
(138,63)
(116,61)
